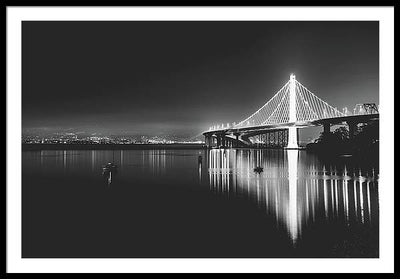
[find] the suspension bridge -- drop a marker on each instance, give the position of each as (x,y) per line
(276,123)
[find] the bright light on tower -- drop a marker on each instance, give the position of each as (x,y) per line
(292,137)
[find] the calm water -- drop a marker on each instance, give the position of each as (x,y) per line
(170,203)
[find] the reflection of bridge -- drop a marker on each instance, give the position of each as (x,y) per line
(294,188)
(277,121)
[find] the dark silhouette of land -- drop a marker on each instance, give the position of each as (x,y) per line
(363,144)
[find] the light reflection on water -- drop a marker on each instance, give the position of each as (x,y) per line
(295,187)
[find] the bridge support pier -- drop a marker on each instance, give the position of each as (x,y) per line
(327,128)
(223,141)
(352,128)
(292,138)
(236,144)
(208,141)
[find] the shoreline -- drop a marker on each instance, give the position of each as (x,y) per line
(188,146)
(44,146)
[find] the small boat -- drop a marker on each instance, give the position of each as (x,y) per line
(109,167)
(258,169)
(346,155)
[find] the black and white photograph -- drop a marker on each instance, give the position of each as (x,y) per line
(203,135)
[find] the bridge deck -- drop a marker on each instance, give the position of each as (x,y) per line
(303,124)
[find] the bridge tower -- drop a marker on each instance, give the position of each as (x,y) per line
(292,137)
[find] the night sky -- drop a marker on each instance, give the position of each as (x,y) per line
(182,77)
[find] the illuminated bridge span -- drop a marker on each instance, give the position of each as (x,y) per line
(278,120)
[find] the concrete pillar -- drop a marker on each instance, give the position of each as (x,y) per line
(352,128)
(327,128)
(223,141)
(272,138)
(208,141)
